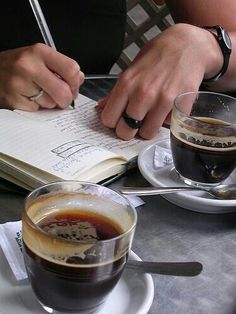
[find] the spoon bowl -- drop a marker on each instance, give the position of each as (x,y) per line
(222,192)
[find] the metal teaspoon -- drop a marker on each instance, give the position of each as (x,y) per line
(223,192)
(188,269)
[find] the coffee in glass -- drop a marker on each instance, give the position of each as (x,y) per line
(77,237)
(203,137)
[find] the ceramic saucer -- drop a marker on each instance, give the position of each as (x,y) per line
(133,294)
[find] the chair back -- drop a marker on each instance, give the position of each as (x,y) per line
(145,20)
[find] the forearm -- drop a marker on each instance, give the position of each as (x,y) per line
(211,12)
(203,12)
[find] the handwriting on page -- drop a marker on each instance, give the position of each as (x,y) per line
(77,158)
(60,155)
(83,123)
(68,149)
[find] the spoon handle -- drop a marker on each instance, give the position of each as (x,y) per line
(188,269)
(142,191)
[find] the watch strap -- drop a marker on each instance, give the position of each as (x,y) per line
(220,34)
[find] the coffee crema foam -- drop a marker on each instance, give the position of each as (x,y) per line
(204,141)
(76,231)
(54,247)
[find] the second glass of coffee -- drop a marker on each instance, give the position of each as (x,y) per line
(203,137)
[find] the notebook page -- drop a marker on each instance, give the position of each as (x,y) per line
(84,123)
(42,146)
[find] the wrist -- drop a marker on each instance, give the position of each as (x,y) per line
(220,53)
(203,47)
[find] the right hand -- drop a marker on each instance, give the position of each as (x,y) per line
(25,71)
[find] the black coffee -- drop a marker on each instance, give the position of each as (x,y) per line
(70,287)
(200,163)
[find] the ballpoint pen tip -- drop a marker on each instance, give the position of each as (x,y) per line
(72,105)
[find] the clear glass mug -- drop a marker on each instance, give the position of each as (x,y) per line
(203,137)
(76,241)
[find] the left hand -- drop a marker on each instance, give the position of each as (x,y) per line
(173,62)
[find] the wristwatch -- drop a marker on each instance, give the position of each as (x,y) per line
(224,42)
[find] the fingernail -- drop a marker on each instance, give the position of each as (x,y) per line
(101,103)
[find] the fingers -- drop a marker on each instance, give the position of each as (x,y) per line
(150,102)
(56,88)
(26,71)
(102,102)
(46,101)
(60,77)
(141,101)
(22,103)
(65,67)
(114,105)
(134,111)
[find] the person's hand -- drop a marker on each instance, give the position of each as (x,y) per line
(175,61)
(25,71)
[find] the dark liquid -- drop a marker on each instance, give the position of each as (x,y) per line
(68,288)
(200,164)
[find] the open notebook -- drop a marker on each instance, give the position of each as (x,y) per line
(70,144)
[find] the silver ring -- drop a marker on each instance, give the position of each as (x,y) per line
(36,96)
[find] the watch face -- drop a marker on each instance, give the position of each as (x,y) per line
(226,40)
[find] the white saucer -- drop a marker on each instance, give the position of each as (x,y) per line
(133,294)
(196,201)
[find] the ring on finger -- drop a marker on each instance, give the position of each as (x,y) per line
(36,96)
(132,123)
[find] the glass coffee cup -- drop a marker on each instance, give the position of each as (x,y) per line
(76,240)
(203,137)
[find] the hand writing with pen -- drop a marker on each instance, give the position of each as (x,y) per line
(28,81)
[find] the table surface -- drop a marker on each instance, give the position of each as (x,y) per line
(166,232)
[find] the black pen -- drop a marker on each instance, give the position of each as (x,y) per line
(72,104)
(45,32)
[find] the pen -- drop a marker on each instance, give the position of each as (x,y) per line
(45,32)
(47,37)
(72,104)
